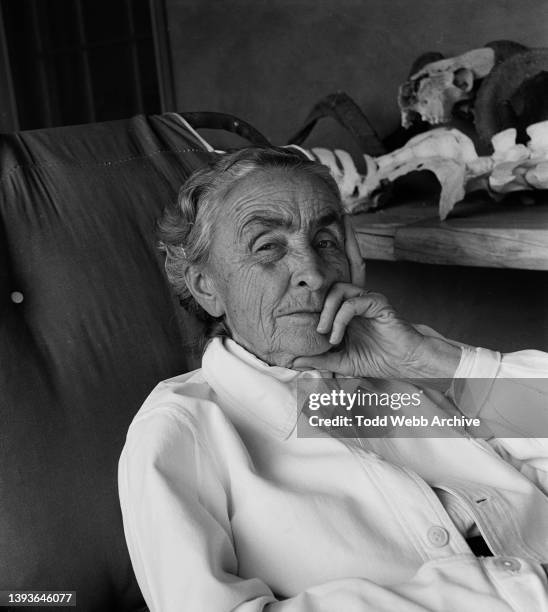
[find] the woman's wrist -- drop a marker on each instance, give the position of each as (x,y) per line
(435,358)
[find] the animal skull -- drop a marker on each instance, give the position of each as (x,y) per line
(433,91)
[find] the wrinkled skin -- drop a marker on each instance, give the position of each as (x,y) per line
(286,274)
(272,276)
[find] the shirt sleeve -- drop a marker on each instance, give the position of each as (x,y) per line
(176,511)
(509,393)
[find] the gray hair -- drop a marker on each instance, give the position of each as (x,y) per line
(185,230)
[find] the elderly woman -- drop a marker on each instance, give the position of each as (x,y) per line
(226,508)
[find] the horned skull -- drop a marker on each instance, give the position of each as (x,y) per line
(433,91)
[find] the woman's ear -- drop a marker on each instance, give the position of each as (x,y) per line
(201,285)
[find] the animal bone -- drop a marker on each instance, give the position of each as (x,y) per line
(433,91)
(505,148)
(452,157)
(352,185)
(529,169)
(440,142)
(538,143)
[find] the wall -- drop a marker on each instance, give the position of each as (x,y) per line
(270,61)
(499,309)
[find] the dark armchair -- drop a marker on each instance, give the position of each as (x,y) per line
(87,327)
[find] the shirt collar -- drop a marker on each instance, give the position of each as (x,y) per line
(262,394)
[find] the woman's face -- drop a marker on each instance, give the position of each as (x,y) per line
(278,247)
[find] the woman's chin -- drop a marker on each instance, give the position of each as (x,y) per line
(291,343)
(306,345)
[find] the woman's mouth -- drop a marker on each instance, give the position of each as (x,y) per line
(304,315)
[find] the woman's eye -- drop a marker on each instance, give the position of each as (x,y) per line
(326,244)
(269,246)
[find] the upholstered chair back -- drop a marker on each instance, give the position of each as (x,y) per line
(87,327)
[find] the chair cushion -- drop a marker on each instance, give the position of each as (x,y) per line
(87,327)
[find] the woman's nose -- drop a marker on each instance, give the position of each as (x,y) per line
(309,271)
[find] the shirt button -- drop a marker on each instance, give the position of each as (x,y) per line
(16,297)
(508,564)
(438,536)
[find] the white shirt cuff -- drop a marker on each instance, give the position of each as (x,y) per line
(473,379)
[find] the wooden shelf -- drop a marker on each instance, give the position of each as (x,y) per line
(478,233)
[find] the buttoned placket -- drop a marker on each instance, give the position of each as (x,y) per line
(438,536)
(434,537)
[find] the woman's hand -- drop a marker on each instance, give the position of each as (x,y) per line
(369,338)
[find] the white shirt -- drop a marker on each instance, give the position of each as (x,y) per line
(225,508)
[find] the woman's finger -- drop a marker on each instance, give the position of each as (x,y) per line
(355,259)
(370,306)
(346,313)
(336,296)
